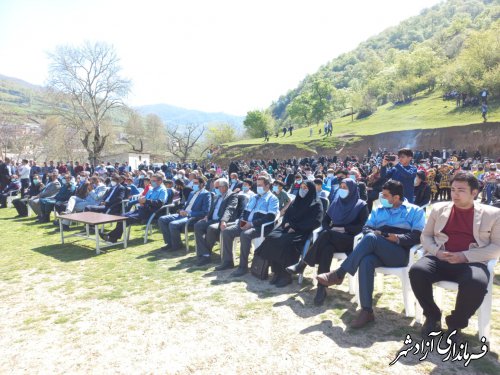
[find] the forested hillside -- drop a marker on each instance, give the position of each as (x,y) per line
(453,47)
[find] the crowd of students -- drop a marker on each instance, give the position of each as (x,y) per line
(282,202)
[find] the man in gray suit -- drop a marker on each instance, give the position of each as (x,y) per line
(48,191)
(222,211)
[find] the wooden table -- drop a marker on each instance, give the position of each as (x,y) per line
(95,219)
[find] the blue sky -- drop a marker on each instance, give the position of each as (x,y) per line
(217,55)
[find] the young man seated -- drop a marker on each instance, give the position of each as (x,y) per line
(460,237)
(389,233)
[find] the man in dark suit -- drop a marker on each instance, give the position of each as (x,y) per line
(4,173)
(223,210)
(235,184)
(196,207)
(147,205)
(113,196)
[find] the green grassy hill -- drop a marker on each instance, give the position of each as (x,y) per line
(427,111)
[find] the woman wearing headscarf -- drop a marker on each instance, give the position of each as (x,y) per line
(282,247)
(345,218)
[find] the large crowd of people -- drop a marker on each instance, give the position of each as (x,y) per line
(383,195)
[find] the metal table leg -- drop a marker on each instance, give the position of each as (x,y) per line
(125,234)
(97,248)
(62,232)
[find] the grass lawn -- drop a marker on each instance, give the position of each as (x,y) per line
(65,309)
(427,111)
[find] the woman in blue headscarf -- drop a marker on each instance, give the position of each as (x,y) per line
(345,218)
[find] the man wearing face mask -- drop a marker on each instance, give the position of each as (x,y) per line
(235,184)
(389,233)
(49,191)
(261,209)
(21,204)
(112,198)
(328,181)
(154,199)
(195,208)
(63,195)
(246,188)
(222,211)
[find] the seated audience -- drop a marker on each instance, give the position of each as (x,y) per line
(21,204)
(112,199)
(389,233)
(459,239)
(262,208)
(282,247)
(13,185)
(422,190)
(345,219)
(154,199)
(195,208)
(49,191)
(63,195)
(223,211)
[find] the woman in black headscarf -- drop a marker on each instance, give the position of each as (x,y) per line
(282,247)
(345,218)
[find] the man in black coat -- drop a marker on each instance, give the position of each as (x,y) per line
(4,173)
(112,198)
(222,211)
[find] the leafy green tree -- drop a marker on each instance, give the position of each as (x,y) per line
(256,122)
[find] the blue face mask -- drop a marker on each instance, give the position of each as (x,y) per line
(245,188)
(154,185)
(260,190)
(298,182)
(196,188)
(385,203)
(275,189)
(217,192)
(233,180)
(343,193)
(352,177)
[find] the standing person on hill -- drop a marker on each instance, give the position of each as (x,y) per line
(402,171)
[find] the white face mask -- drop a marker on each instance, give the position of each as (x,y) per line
(113,183)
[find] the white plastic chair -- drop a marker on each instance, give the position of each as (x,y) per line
(402,273)
(484,311)
(337,256)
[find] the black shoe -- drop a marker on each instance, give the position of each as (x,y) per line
(225,266)
(430,325)
(103,236)
(240,271)
(65,227)
(275,278)
(202,261)
(283,280)
(320,296)
(297,268)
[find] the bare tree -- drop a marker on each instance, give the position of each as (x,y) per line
(181,142)
(135,132)
(87,81)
